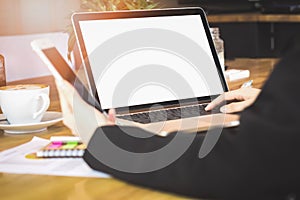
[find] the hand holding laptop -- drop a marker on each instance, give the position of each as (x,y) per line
(245,97)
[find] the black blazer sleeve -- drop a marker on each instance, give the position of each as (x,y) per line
(259,159)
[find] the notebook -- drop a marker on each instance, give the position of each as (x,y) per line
(157,68)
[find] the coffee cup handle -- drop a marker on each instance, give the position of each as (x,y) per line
(46,103)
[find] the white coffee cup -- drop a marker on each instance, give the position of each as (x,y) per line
(24,104)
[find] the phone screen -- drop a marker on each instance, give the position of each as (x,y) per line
(62,67)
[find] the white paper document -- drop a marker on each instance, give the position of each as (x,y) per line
(236,74)
(14,161)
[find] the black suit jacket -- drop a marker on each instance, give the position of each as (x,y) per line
(260,159)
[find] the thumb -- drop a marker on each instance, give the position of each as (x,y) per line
(112,116)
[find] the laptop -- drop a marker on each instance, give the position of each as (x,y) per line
(157,68)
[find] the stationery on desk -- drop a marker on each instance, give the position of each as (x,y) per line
(18,160)
(62,146)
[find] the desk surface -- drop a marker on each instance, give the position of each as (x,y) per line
(16,187)
(253,17)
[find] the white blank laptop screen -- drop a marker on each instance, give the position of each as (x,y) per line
(137,61)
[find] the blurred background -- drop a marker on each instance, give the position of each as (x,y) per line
(249,28)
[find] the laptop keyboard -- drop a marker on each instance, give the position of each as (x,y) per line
(169,114)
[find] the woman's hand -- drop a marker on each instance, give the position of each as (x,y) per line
(246,97)
(80,117)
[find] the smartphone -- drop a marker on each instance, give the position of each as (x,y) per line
(61,70)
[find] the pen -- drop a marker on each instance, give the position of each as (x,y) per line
(247,84)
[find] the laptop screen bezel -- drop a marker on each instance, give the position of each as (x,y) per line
(89,16)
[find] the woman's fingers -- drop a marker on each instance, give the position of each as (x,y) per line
(242,94)
(227,96)
(112,116)
(236,107)
(66,92)
(215,102)
(82,119)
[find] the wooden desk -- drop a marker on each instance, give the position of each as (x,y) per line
(253,17)
(23,187)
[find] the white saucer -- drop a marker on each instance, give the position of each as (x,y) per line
(48,119)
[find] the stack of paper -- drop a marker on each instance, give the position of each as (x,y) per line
(14,161)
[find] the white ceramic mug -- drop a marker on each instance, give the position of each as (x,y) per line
(24,104)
